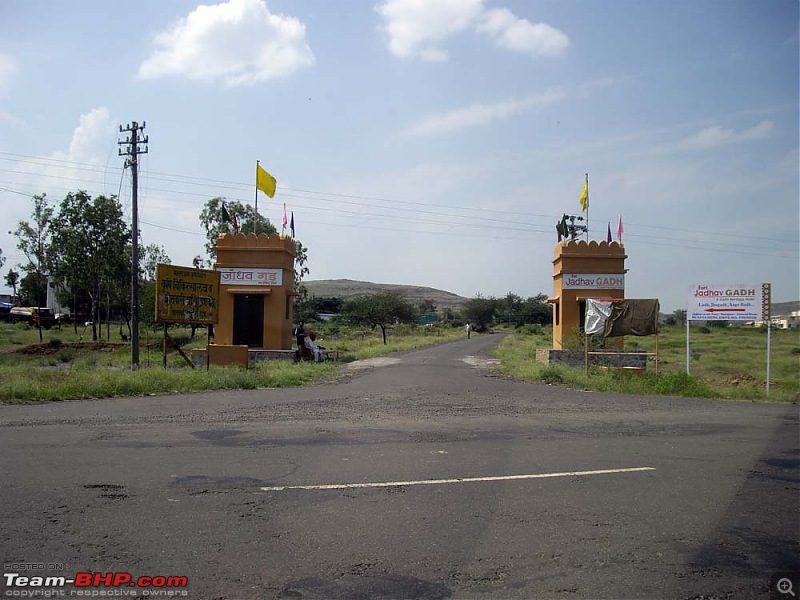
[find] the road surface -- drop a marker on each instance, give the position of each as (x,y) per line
(422,475)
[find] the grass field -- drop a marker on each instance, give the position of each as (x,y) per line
(67,367)
(728,363)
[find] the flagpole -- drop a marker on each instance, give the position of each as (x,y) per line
(255,215)
(587,207)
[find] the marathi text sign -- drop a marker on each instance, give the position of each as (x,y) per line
(733,302)
(248,276)
(593,281)
(186,295)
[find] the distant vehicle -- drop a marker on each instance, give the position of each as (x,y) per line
(32,315)
(5,311)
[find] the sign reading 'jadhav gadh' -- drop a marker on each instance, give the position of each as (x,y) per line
(186,295)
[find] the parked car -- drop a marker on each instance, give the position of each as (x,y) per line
(32,315)
(5,311)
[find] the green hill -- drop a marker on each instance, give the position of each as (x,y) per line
(347,289)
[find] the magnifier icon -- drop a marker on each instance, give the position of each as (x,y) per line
(785,587)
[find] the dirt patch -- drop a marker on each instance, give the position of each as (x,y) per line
(369,363)
(50,349)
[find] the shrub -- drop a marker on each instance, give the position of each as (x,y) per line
(55,343)
(681,384)
(530,329)
(67,356)
(551,375)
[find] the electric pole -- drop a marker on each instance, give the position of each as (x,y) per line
(130,148)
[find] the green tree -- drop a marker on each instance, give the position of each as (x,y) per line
(535,311)
(151,256)
(12,279)
(31,288)
(479,312)
(33,239)
(217,217)
(427,306)
(93,244)
(380,310)
(508,308)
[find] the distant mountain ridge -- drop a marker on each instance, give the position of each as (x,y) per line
(784,308)
(347,289)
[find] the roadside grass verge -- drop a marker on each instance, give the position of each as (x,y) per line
(727,363)
(66,367)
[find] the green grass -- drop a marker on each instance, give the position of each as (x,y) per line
(62,369)
(727,363)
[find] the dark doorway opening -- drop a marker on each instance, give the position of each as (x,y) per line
(248,320)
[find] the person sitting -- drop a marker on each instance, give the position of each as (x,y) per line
(317,351)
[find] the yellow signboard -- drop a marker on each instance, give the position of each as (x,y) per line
(186,295)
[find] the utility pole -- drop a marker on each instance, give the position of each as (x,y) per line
(130,148)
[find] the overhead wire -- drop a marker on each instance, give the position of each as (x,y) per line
(398,206)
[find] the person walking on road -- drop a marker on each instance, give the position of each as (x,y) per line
(468,329)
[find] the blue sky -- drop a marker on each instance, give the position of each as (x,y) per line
(426,142)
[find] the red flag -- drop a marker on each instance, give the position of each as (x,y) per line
(235,223)
(620,230)
(285,220)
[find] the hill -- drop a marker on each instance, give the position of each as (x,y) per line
(784,308)
(347,289)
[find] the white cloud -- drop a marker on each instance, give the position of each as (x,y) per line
(712,137)
(238,42)
(520,35)
(417,28)
(478,115)
(91,139)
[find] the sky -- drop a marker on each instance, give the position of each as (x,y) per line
(425,142)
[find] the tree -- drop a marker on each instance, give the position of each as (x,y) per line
(427,306)
(508,308)
(380,310)
(93,244)
(151,256)
(536,311)
(34,241)
(479,312)
(216,218)
(12,279)
(31,288)
(305,307)
(2,259)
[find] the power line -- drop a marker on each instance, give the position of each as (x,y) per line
(478,221)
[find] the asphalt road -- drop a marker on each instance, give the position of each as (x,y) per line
(173,486)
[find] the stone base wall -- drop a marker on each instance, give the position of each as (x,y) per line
(200,359)
(576,359)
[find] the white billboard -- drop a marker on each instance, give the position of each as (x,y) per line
(731,302)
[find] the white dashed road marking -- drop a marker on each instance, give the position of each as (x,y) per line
(346,486)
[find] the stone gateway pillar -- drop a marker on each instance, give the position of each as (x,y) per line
(583,270)
(256,291)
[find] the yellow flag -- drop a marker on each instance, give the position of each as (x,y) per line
(265,182)
(585,196)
